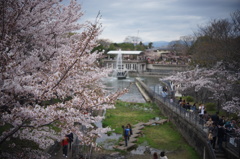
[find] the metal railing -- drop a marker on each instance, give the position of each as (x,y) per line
(191,116)
(232,141)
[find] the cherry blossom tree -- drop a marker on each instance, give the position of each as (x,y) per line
(221,82)
(233,106)
(42,60)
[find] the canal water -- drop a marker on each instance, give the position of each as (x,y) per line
(113,84)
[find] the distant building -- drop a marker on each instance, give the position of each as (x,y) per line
(132,60)
(126,55)
(149,62)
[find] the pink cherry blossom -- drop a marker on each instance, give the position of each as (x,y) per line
(46,55)
(222,83)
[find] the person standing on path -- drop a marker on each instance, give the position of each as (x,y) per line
(130,128)
(201,113)
(221,133)
(155,156)
(126,135)
(215,118)
(162,155)
(214,130)
(64,144)
(222,120)
(123,133)
(123,127)
(70,137)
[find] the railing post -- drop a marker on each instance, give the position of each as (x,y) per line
(239,147)
(204,153)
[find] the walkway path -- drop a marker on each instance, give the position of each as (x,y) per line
(137,131)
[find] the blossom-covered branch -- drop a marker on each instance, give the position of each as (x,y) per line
(221,82)
(47,55)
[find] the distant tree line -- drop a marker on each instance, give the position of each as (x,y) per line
(215,53)
(130,43)
(217,41)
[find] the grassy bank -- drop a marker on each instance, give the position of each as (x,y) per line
(132,113)
(163,137)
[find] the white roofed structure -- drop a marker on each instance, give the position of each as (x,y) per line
(124,52)
(131,60)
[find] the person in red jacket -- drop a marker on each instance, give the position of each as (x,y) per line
(64,144)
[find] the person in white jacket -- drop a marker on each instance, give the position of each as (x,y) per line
(162,155)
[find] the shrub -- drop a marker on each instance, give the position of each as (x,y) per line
(189,99)
(210,106)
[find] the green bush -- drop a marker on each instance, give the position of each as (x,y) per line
(189,99)
(210,106)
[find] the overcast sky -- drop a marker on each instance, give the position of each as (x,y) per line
(155,20)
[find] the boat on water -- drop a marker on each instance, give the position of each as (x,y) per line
(122,74)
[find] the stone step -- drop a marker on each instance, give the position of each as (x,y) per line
(139,124)
(220,155)
(161,121)
(149,123)
(134,135)
(123,147)
(136,130)
(131,140)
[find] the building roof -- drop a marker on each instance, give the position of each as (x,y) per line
(160,49)
(124,52)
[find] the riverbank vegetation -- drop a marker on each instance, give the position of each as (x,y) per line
(162,137)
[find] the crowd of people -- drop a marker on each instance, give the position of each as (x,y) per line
(215,126)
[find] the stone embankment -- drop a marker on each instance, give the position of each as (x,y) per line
(141,90)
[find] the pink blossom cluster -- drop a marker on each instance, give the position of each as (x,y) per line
(45,55)
(221,82)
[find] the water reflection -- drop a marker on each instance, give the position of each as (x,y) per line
(107,141)
(113,84)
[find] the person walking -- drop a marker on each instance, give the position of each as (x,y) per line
(215,118)
(210,136)
(201,109)
(194,107)
(130,131)
(126,135)
(162,155)
(155,155)
(201,113)
(70,137)
(214,130)
(222,120)
(221,133)
(209,123)
(64,144)
(123,127)
(180,101)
